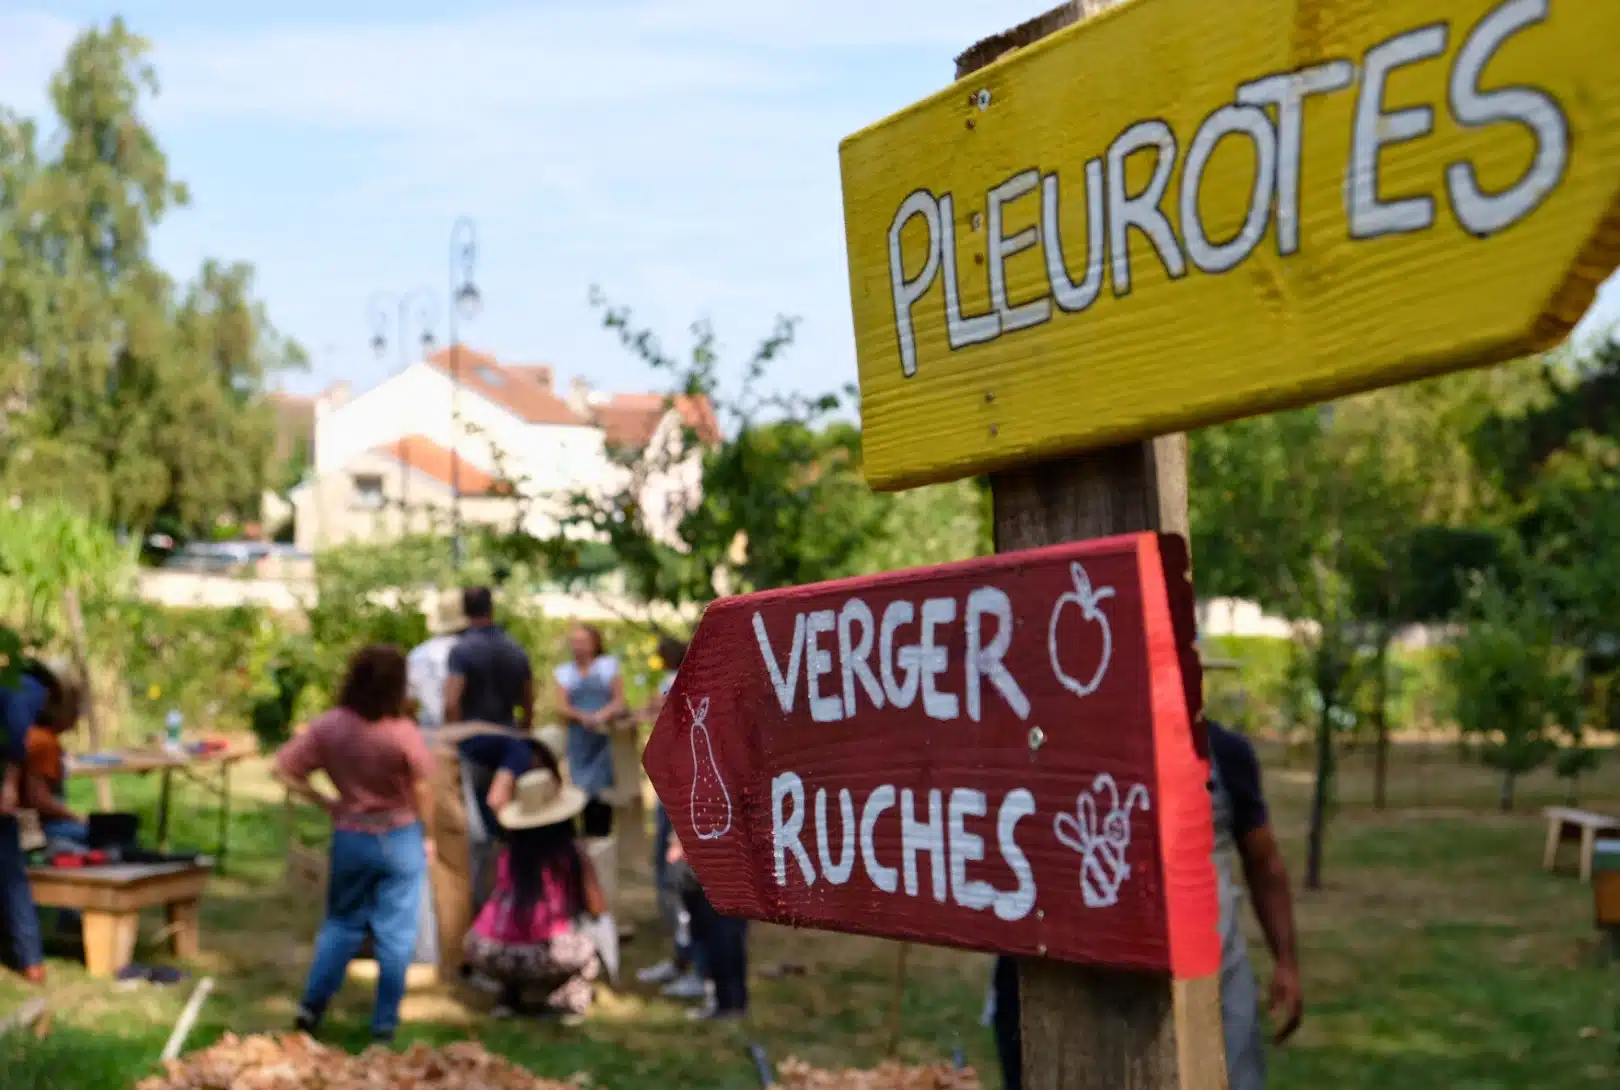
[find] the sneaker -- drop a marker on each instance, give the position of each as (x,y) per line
(690,986)
(662,973)
(384,1037)
(503,1012)
(710,1013)
(307,1021)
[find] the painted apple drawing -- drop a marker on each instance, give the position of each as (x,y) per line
(711,803)
(1075,613)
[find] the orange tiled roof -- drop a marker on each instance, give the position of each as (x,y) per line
(526,390)
(507,387)
(425,456)
(629,420)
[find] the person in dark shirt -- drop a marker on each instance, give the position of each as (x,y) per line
(490,679)
(1242,829)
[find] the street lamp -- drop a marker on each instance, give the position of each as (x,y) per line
(417,304)
(465,302)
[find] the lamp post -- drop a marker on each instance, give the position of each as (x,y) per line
(465,303)
(417,303)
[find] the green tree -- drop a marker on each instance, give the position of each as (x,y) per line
(125,396)
(778,497)
(935,524)
(1515,687)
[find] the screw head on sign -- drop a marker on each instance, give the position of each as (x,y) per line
(977,223)
(1040,913)
(1037,736)
(982,99)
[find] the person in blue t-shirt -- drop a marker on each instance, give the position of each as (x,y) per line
(21,706)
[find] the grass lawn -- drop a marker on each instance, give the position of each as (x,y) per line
(1438,956)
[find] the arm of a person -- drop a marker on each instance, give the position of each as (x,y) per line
(454,686)
(617,705)
(514,763)
(655,706)
(36,796)
(595,902)
(10,787)
(1266,874)
(296,762)
(565,706)
(423,792)
(421,762)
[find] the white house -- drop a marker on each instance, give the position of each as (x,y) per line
(383,457)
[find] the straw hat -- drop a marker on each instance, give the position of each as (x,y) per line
(541,799)
(447,617)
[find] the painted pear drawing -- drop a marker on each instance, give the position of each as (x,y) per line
(711,804)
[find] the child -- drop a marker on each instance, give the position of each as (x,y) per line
(722,939)
(683,975)
(44,785)
(528,934)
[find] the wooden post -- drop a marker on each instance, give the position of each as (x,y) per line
(81,657)
(1086,1029)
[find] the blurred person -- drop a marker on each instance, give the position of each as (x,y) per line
(44,785)
(722,939)
(427,669)
(1243,836)
(44,777)
(428,663)
(590,697)
(489,680)
(682,975)
(382,835)
(22,706)
(529,934)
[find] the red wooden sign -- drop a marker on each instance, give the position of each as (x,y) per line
(1001,755)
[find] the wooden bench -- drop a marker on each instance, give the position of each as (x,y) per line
(1565,824)
(110,898)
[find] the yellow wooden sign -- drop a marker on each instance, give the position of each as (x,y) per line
(1182,212)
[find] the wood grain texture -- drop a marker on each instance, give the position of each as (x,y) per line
(1084,1028)
(1053,811)
(1319,298)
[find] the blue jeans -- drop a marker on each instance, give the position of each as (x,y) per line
(375,887)
(66,830)
(17,912)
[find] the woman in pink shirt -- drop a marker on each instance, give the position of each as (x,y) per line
(528,934)
(381,840)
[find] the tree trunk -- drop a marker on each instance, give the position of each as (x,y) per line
(1381,723)
(1507,791)
(1319,796)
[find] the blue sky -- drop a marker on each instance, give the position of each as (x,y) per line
(683,154)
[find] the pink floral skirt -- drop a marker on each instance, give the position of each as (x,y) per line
(564,967)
